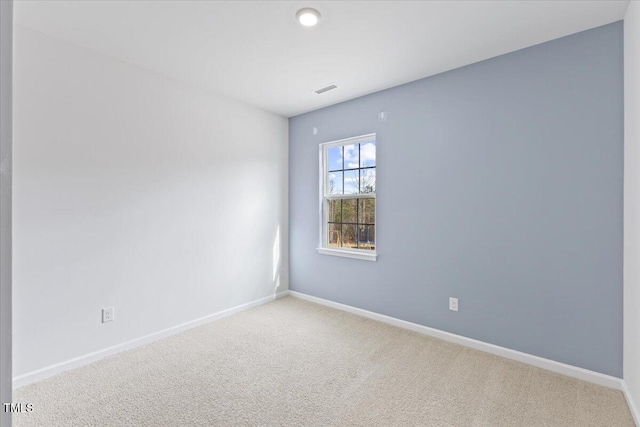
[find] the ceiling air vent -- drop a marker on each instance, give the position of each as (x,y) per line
(326,89)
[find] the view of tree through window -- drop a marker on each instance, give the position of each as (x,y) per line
(350,195)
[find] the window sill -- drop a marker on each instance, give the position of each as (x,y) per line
(348,254)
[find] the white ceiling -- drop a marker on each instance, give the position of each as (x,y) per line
(256,52)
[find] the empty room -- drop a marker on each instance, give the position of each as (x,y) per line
(320,213)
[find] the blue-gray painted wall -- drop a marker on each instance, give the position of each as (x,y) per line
(499,183)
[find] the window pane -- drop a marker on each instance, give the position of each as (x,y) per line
(367,211)
(351,156)
(351,180)
(349,236)
(349,210)
(334,184)
(334,235)
(367,237)
(335,211)
(334,157)
(367,180)
(350,172)
(368,154)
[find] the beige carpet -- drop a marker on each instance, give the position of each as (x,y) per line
(294,363)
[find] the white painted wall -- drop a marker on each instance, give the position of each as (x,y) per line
(632,204)
(138,192)
(6,36)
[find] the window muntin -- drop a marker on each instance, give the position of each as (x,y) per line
(348,194)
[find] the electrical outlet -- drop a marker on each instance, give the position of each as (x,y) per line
(453,304)
(107,314)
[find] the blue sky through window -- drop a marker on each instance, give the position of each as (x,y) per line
(342,180)
(348,156)
(335,158)
(367,154)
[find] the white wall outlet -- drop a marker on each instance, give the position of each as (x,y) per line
(453,304)
(107,314)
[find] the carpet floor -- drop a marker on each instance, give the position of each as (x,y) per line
(295,363)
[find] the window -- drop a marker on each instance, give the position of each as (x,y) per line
(348,197)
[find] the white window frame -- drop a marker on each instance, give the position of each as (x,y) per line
(324,197)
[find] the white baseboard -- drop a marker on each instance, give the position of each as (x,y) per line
(540,362)
(632,406)
(77,362)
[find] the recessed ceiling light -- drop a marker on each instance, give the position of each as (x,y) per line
(308,16)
